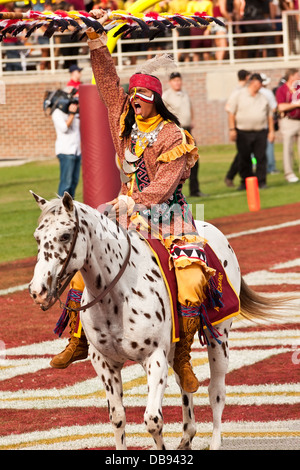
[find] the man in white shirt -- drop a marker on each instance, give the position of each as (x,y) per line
(243,77)
(178,102)
(250,125)
(68,148)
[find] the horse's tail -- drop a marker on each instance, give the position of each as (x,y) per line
(254,306)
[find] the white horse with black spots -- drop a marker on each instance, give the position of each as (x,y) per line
(133,320)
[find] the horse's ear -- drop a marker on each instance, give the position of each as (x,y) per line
(67,202)
(40,200)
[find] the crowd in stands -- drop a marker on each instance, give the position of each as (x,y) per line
(209,38)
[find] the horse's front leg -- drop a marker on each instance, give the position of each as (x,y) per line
(218,355)
(110,375)
(156,367)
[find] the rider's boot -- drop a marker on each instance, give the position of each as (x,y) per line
(188,326)
(76,350)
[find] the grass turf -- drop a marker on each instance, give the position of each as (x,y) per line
(19,212)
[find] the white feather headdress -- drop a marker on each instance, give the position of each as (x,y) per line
(165,61)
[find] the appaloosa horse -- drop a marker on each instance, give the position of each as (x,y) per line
(126,308)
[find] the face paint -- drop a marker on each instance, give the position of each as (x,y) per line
(146,99)
(142,104)
(134,93)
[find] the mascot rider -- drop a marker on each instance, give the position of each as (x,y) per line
(147,136)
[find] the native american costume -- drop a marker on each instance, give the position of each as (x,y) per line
(155,160)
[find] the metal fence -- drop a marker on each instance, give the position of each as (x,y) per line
(268,40)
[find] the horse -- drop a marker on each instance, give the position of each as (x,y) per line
(125,307)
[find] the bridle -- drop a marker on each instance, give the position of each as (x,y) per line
(61,288)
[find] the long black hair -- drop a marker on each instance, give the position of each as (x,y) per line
(160,108)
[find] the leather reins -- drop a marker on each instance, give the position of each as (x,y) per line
(99,297)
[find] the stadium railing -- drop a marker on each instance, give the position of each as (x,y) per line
(275,40)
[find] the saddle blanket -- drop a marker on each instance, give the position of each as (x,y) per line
(230,299)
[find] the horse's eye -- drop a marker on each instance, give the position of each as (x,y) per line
(65,237)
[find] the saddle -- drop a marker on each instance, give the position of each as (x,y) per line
(217,312)
(221,303)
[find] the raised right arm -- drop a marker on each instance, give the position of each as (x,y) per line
(106,77)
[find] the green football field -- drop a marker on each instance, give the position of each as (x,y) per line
(19,212)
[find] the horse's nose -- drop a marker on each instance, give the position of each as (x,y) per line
(38,297)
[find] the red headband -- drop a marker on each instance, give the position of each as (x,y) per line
(146,81)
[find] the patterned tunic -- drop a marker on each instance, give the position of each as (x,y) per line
(167,162)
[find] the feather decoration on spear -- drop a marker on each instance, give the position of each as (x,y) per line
(159,61)
(150,24)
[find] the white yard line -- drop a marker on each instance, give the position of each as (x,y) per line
(11,290)
(264,229)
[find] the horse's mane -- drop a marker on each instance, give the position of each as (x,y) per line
(53,206)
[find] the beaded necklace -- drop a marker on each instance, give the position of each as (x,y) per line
(139,141)
(144,139)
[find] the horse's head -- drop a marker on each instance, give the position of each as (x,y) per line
(58,257)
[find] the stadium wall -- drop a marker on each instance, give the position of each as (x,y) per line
(27,133)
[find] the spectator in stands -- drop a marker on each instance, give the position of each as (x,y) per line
(243,76)
(196,42)
(179,6)
(107,5)
(250,124)
(237,12)
(45,51)
(43,41)
(220,12)
(68,148)
(11,42)
(256,10)
(75,76)
(75,5)
(275,10)
(178,102)
(66,38)
(288,99)
(128,48)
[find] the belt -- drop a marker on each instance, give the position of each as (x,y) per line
(254,130)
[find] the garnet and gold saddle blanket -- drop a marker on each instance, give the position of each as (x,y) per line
(230,304)
(215,312)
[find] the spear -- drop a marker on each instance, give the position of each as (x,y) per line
(14,23)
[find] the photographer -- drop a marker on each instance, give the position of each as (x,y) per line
(67,147)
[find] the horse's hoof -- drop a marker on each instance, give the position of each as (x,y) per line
(184,445)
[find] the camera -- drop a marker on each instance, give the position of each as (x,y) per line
(59,99)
